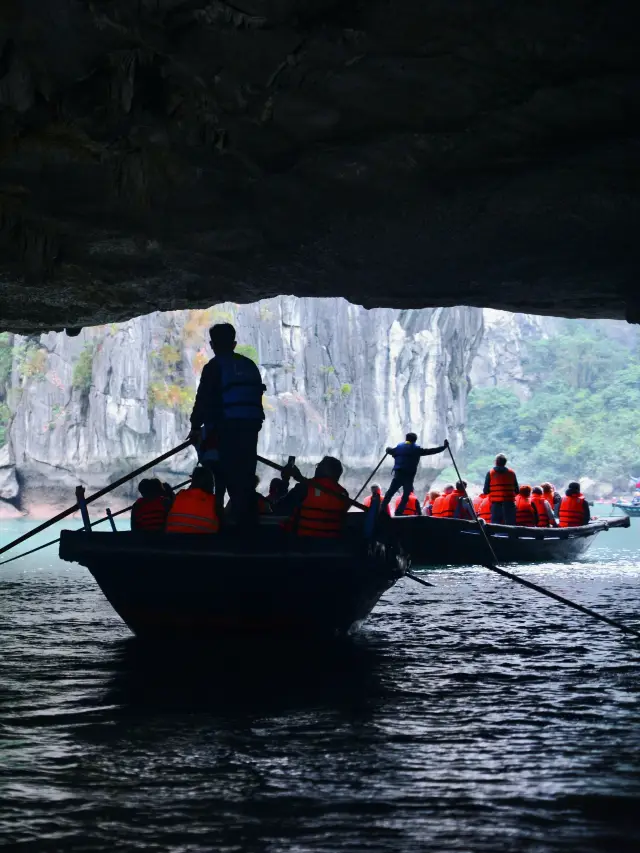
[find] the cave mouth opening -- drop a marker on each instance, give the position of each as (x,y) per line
(559,396)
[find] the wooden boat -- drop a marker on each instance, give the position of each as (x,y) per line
(449,541)
(181,585)
(628,508)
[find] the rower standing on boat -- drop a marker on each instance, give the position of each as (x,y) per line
(227,417)
(406,457)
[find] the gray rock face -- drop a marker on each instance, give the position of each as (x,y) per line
(340,380)
(170,154)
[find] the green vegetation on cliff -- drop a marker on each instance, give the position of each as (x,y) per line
(580,420)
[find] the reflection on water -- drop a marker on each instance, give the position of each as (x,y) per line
(472,716)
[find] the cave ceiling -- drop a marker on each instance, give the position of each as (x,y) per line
(164,154)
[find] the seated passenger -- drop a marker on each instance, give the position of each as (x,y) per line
(412,505)
(263,504)
(526,513)
(278,488)
(484,509)
(194,509)
(546,518)
(477,502)
(429,500)
(315,512)
(439,505)
(555,499)
(574,510)
(149,512)
(376,492)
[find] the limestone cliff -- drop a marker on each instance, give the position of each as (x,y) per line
(340,380)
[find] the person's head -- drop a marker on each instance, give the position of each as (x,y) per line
(202,478)
(525,491)
(461,485)
(448,489)
(433,494)
(536,490)
(573,488)
(329,467)
(501,460)
(375,489)
(223,338)
(411,437)
(150,488)
(275,487)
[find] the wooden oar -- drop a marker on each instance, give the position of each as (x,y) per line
(316,484)
(493,567)
(95,496)
(93,524)
(371,476)
(417,579)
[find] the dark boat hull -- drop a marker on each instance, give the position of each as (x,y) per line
(632,510)
(184,585)
(448,541)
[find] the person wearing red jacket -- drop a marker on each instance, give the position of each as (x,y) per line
(376,492)
(574,510)
(149,512)
(526,513)
(411,505)
(501,484)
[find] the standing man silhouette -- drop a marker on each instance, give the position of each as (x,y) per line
(407,457)
(228,414)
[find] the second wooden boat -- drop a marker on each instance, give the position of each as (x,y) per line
(448,541)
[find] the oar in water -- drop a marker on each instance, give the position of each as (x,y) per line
(371,476)
(315,483)
(93,524)
(493,567)
(95,496)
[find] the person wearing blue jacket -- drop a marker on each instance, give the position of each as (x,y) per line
(226,419)
(406,457)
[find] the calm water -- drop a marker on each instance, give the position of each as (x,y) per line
(472,717)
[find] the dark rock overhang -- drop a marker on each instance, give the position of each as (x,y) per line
(161,154)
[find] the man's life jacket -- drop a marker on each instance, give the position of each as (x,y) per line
(484,510)
(450,505)
(538,501)
(412,507)
(367,502)
(321,514)
(525,516)
(436,510)
(503,485)
(477,501)
(241,387)
(193,511)
(149,513)
(572,511)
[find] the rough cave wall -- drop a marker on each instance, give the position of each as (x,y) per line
(172,154)
(340,380)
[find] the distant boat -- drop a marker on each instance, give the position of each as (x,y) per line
(180,585)
(450,541)
(628,507)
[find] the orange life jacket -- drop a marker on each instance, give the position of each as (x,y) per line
(412,507)
(485,509)
(149,514)
(321,514)
(367,503)
(193,511)
(538,501)
(525,516)
(438,506)
(572,511)
(477,502)
(450,505)
(503,485)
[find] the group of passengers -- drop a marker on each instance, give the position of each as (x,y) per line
(503,501)
(316,507)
